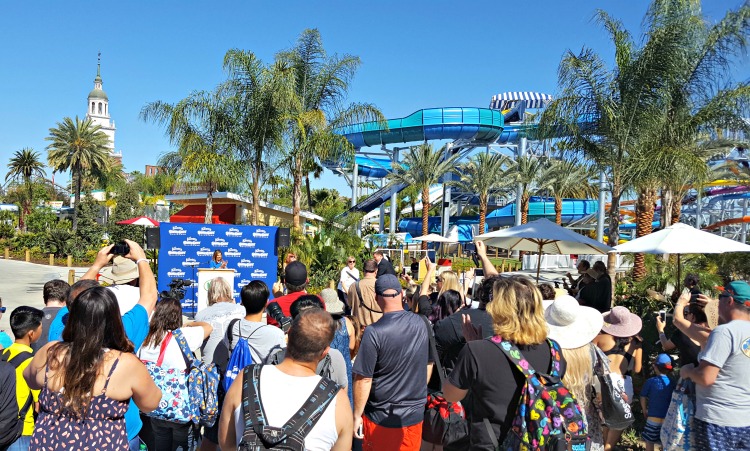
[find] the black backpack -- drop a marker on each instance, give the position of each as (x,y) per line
(259,435)
(11,419)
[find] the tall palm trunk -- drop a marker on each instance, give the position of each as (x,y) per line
(676,209)
(309,192)
(525,207)
(425,214)
(644,217)
(77,175)
(613,237)
(297,194)
(209,204)
(255,190)
(482,213)
(558,210)
(667,203)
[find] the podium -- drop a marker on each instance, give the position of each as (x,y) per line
(205,276)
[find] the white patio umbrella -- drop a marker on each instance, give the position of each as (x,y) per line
(542,236)
(681,239)
(434,238)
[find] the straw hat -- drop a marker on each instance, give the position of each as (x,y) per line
(619,322)
(123,270)
(334,306)
(571,324)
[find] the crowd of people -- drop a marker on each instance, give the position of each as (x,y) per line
(352,366)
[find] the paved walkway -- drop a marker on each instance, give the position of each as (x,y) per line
(22,285)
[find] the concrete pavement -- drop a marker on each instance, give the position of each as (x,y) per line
(21,284)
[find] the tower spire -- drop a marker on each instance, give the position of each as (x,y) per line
(98,79)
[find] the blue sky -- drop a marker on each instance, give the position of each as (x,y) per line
(415,54)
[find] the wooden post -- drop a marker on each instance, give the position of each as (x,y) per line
(7,253)
(28,255)
(71,276)
(70,261)
(52,259)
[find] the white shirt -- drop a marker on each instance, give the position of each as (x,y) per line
(127,296)
(286,395)
(173,355)
(345,281)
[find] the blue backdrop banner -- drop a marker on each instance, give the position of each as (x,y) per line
(185,247)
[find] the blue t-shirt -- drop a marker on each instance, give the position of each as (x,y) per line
(57,325)
(5,340)
(658,390)
(135,323)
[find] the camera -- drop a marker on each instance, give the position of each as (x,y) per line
(120,248)
(176,289)
(274,311)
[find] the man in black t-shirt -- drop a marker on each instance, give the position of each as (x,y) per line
(55,294)
(390,374)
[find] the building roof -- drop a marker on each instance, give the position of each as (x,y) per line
(183,198)
(97,93)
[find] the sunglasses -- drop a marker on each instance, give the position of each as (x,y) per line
(351,261)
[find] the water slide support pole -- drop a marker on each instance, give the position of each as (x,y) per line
(381,220)
(698,197)
(600,212)
(394,198)
(355,183)
(447,195)
(743,234)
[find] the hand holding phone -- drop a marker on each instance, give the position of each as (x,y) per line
(663,315)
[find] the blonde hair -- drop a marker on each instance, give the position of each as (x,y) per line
(450,282)
(219,291)
(517,312)
(579,372)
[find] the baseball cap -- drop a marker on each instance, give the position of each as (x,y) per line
(387,282)
(663,361)
(295,273)
(740,291)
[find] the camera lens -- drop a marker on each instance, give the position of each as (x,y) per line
(274,311)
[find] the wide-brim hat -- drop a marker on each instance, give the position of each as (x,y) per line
(619,322)
(123,270)
(571,324)
(334,306)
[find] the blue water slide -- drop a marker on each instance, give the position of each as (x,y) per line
(482,125)
(541,207)
(413,226)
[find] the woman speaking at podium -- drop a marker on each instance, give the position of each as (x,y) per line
(217,262)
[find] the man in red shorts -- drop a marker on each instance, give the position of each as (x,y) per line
(390,375)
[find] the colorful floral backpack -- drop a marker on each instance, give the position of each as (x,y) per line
(548,416)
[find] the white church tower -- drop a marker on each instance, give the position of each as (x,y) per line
(98,110)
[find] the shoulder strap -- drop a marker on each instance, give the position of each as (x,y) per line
(162,349)
(362,299)
(19,358)
(353,276)
(311,411)
(187,354)
(433,350)
(252,412)
(230,333)
(514,355)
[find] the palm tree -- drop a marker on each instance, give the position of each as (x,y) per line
(527,172)
(423,167)
(80,147)
(567,179)
(24,166)
(199,126)
(322,84)
(484,174)
(262,99)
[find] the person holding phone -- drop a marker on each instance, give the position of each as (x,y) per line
(688,316)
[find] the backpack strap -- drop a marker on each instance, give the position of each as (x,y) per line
(524,366)
(187,354)
(252,411)
(433,350)
(16,361)
(311,411)
(230,331)
(361,299)
(162,350)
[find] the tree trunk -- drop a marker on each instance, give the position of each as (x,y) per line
(612,271)
(482,213)
(413,207)
(425,214)
(309,192)
(613,237)
(297,194)
(77,198)
(558,210)
(676,210)
(667,202)
(256,201)
(209,205)
(644,217)
(525,208)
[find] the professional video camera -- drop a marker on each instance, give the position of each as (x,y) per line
(176,289)
(274,311)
